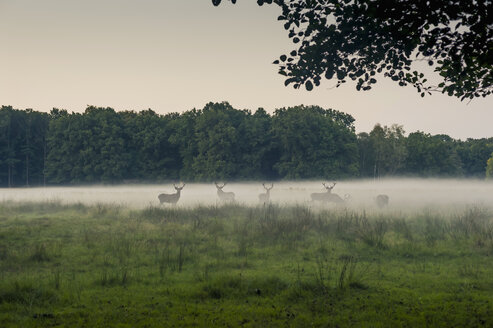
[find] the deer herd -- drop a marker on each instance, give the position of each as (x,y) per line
(326,197)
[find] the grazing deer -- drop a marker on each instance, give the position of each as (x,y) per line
(328,197)
(382,201)
(224,196)
(265,197)
(171,198)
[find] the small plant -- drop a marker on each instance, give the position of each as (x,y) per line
(242,231)
(57,273)
(470,269)
(88,237)
(372,233)
(400,226)
(124,275)
(181,256)
(39,253)
(420,265)
(104,278)
(224,286)
(26,292)
(323,269)
(474,221)
(206,273)
(349,276)
(163,263)
(435,230)
(4,252)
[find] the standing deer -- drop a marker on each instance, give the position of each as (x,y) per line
(224,196)
(382,201)
(328,197)
(322,196)
(265,197)
(171,198)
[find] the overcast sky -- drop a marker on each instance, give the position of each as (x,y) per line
(174,55)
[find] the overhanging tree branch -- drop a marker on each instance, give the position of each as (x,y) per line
(358,39)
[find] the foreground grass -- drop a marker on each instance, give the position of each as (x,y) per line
(106,266)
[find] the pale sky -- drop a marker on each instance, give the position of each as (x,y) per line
(174,55)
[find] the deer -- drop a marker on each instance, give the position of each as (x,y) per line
(329,197)
(224,196)
(382,200)
(265,197)
(322,196)
(171,198)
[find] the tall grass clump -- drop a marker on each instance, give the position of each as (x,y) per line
(434,228)
(39,253)
(401,226)
(26,291)
(372,232)
(349,276)
(474,221)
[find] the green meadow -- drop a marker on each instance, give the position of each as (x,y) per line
(233,265)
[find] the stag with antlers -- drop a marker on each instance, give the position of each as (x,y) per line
(328,197)
(224,196)
(171,198)
(265,197)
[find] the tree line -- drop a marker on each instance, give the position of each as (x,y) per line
(219,142)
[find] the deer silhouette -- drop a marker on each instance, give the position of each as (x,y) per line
(265,197)
(329,197)
(382,200)
(224,196)
(171,198)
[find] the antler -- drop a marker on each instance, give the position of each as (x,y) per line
(329,187)
(183,185)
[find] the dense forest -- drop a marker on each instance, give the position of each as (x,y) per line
(220,142)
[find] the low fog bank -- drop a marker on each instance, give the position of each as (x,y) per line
(404,194)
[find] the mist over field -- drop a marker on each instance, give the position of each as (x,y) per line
(121,256)
(404,194)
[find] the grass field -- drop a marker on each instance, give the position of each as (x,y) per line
(231,265)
